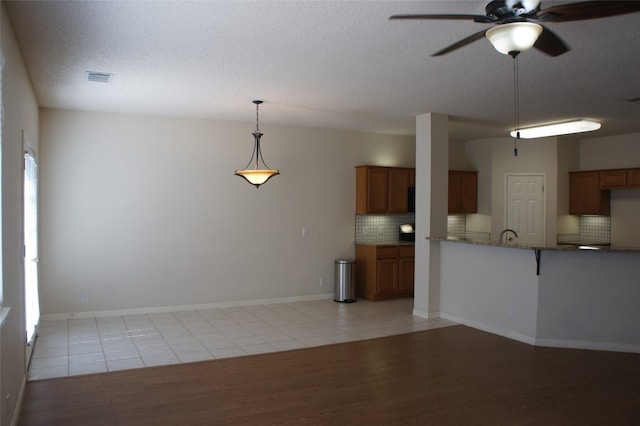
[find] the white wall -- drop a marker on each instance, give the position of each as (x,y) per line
(581,299)
(142,212)
(480,157)
(493,282)
(20,114)
(589,299)
(432,148)
(614,153)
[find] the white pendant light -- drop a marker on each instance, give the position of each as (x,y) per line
(557,129)
(514,37)
(257,176)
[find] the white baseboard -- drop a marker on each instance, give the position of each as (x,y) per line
(552,343)
(598,346)
(16,414)
(178,308)
(425,315)
(483,327)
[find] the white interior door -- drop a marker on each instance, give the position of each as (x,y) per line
(525,207)
(32,302)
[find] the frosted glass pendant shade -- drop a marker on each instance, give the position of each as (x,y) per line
(514,37)
(257,177)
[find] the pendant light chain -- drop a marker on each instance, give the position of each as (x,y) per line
(258,135)
(257,107)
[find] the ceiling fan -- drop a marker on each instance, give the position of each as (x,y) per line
(528,15)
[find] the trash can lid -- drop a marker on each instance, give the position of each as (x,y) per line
(345,261)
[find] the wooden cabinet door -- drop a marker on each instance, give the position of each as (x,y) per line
(633,178)
(406,268)
(463,192)
(399,190)
(454,192)
(613,179)
(469,192)
(585,195)
(377,194)
(387,276)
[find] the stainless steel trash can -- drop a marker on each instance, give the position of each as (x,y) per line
(345,281)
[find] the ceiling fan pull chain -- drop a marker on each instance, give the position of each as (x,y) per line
(516,101)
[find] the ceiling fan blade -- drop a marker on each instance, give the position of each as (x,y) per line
(548,42)
(461,43)
(475,18)
(584,10)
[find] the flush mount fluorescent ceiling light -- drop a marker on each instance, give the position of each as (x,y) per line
(557,129)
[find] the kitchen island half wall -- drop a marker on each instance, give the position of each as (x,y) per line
(580,299)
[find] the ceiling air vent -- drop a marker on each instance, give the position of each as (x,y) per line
(100,77)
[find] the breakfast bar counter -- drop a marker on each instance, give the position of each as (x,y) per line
(586,246)
(560,296)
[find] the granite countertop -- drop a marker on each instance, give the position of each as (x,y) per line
(556,247)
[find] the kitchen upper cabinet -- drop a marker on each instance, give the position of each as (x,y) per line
(463,192)
(382,190)
(633,178)
(620,179)
(384,272)
(613,179)
(586,196)
(372,195)
(399,190)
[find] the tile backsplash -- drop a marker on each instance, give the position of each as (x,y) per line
(591,230)
(457,228)
(383,229)
(380,229)
(456,225)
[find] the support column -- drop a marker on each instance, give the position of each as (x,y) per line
(432,184)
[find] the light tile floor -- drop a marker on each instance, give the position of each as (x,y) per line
(93,345)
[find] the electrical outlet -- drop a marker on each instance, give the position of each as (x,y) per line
(321,282)
(512,313)
(85,297)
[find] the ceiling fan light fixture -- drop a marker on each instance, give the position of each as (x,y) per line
(514,36)
(557,129)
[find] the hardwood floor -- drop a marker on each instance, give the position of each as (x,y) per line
(453,375)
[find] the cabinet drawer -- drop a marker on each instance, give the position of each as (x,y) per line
(387,252)
(407,251)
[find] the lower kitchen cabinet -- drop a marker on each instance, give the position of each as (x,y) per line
(384,272)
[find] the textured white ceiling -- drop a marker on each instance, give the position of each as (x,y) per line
(336,64)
